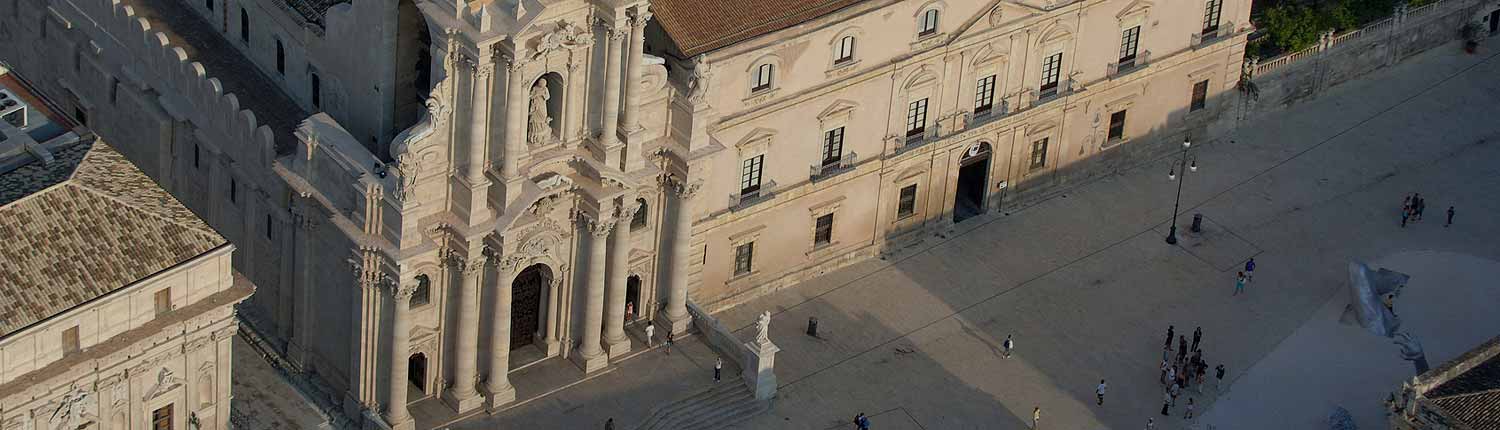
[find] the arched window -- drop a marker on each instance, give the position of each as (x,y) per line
(638,221)
(244,26)
(280,58)
(761,80)
(929,23)
(844,51)
(317,90)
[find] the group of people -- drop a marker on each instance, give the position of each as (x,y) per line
(1182,372)
(1414,205)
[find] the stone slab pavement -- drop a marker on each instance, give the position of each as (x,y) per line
(263,400)
(1087,287)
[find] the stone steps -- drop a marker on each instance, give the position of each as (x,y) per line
(727,402)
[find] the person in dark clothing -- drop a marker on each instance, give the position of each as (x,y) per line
(1218,377)
(1405,215)
(862,421)
(1197,336)
(609,425)
(1168,345)
(1418,206)
(1450,217)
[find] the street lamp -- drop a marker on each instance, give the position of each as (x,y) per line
(1186,166)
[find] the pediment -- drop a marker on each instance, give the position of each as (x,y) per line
(839,108)
(756,140)
(1134,8)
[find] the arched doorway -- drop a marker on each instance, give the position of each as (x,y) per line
(526,304)
(973,174)
(633,296)
(416,371)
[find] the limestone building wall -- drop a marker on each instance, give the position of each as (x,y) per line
(133,358)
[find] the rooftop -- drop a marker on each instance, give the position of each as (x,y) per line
(699,26)
(1472,395)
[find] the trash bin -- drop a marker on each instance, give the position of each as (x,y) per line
(1197,223)
(812,326)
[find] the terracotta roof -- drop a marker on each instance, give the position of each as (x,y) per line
(699,26)
(1471,397)
(1480,411)
(311,10)
(86,224)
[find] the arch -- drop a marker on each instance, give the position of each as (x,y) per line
(413,64)
(640,218)
(1053,33)
(633,298)
(970,192)
(835,44)
(933,10)
(775,63)
(526,312)
(416,371)
(423,292)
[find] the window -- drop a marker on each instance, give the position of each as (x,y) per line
(280,58)
(1129,41)
(196,158)
(70,341)
(916,118)
(114,90)
(750,175)
(1200,96)
(984,95)
(638,220)
(270,224)
(77,61)
(1039,154)
(163,301)
(929,23)
(209,4)
(907,204)
(833,146)
(845,51)
(1211,12)
(1051,67)
(244,26)
(422,295)
(762,78)
(823,230)
(233,190)
(161,419)
(317,91)
(80,115)
(1116,125)
(744,255)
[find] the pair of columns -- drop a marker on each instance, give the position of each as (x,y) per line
(613,118)
(605,277)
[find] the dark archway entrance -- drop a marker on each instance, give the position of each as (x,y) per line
(413,65)
(526,304)
(633,297)
(416,371)
(973,174)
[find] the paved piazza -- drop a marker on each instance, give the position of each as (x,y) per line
(1087,287)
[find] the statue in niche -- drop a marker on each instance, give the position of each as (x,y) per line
(539,128)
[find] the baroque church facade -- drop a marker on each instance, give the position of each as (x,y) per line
(430,194)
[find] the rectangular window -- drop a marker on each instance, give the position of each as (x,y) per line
(744,256)
(984,95)
(916,117)
(244,26)
(270,224)
(1211,11)
(1039,154)
(1051,67)
(763,74)
(833,146)
(196,157)
(907,203)
(750,174)
(163,301)
(1129,41)
(77,61)
(845,51)
(317,91)
(70,343)
(233,190)
(280,58)
(929,22)
(209,3)
(114,91)
(161,419)
(1116,125)
(1200,96)
(823,230)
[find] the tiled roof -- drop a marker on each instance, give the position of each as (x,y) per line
(1484,377)
(87,224)
(699,26)
(311,10)
(1480,411)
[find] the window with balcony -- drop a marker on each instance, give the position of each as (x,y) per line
(916,118)
(744,258)
(1116,126)
(906,204)
(823,230)
(1200,96)
(1129,41)
(1051,69)
(761,80)
(750,173)
(928,24)
(1211,11)
(844,52)
(1039,154)
(833,147)
(984,95)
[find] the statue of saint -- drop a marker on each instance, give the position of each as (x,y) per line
(698,85)
(539,129)
(763,328)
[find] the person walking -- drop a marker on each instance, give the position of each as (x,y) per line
(1218,378)
(1007,345)
(1419,205)
(1171,377)
(718,368)
(609,424)
(1202,373)
(1405,215)
(1036,417)
(650,331)
(1198,335)
(1189,414)
(1166,403)
(1182,348)
(1150,424)
(1250,270)
(862,421)
(1450,217)
(1239,284)
(668,344)
(1175,391)
(1168,345)
(1164,368)
(1099,391)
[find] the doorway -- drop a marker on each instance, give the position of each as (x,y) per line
(632,298)
(416,371)
(973,174)
(526,304)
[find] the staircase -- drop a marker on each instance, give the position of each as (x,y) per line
(715,408)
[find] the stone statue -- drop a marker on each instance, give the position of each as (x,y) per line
(71,410)
(698,86)
(539,128)
(763,328)
(1411,350)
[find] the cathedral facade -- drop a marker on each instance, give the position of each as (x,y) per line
(430,194)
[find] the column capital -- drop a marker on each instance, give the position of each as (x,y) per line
(474,265)
(402,293)
(640,15)
(601,228)
(618,33)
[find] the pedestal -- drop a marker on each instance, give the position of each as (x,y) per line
(759,369)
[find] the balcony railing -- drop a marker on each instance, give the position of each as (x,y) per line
(1126,67)
(744,200)
(1206,38)
(912,141)
(982,117)
(820,171)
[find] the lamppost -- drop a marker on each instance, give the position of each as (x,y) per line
(1185,167)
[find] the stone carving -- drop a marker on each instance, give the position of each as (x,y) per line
(698,85)
(119,392)
(763,328)
(474,266)
(72,410)
(541,245)
(566,36)
(686,191)
(403,293)
(539,124)
(165,380)
(601,229)
(641,16)
(544,205)
(997,15)
(407,168)
(553,180)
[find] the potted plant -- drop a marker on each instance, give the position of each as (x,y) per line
(1471,36)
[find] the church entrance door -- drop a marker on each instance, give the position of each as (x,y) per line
(526,304)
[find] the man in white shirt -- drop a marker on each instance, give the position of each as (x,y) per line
(1099,391)
(650,331)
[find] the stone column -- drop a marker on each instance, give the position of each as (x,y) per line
(396,413)
(554,289)
(608,138)
(677,317)
(463,397)
(614,301)
(590,354)
(642,14)
(498,385)
(515,117)
(479,111)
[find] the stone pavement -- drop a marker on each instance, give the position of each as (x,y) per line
(263,400)
(1087,286)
